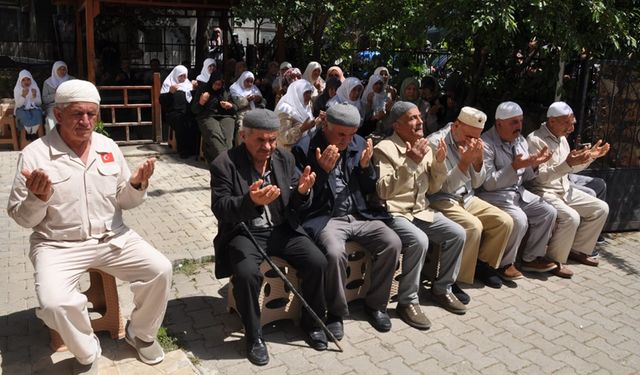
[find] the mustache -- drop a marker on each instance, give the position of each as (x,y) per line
(517,131)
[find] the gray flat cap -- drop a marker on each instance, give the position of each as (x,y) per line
(263,119)
(399,109)
(344,114)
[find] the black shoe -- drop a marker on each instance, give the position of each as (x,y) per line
(335,326)
(378,319)
(257,351)
(488,275)
(317,339)
(460,294)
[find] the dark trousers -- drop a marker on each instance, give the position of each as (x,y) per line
(295,248)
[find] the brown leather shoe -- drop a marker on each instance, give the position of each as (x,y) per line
(540,264)
(562,271)
(509,273)
(583,258)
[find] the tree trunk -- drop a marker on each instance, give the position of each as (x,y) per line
(202,39)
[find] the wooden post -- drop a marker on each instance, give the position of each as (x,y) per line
(156,111)
(280,41)
(92,9)
(79,45)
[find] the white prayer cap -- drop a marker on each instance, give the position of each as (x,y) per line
(558,109)
(77,90)
(472,117)
(508,110)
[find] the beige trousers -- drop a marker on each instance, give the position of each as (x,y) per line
(62,306)
(579,223)
(488,229)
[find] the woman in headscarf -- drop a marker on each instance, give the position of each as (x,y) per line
(27,107)
(410,92)
(208,67)
(335,71)
(294,111)
(246,95)
(312,75)
(391,91)
(331,87)
(374,102)
(59,74)
(215,115)
(349,92)
(175,98)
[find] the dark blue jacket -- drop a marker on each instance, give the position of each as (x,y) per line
(361,182)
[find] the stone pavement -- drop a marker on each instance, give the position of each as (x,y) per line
(587,325)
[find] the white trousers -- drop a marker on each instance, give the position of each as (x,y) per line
(579,223)
(62,306)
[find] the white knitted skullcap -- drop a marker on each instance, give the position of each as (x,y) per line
(508,110)
(77,90)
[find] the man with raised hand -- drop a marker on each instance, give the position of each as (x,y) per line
(71,187)
(339,213)
(409,169)
(488,228)
(581,217)
(257,183)
(509,165)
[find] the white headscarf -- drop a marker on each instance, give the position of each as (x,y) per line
(342,94)
(292,103)
(29,101)
(380,69)
(238,89)
(379,99)
(172,79)
(204,73)
(308,73)
(55,80)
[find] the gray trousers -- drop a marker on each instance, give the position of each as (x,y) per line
(217,136)
(415,236)
(377,238)
(538,218)
(594,186)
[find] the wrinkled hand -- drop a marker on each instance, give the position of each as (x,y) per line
(263,196)
(307,124)
(418,150)
(328,158)
(38,183)
(194,83)
(33,93)
(307,179)
(441,151)
(367,153)
(225,104)
(204,98)
(25,91)
(140,178)
(533,160)
(472,152)
(173,89)
(577,157)
(600,149)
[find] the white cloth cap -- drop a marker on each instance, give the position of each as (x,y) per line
(77,90)
(508,110)
(286,65)
(472,117)
(558,109)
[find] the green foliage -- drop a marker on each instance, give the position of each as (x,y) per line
(508,46)
(166,341)
(100,128)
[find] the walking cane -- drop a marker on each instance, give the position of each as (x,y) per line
(290,286)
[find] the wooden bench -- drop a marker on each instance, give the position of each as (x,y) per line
(103,296)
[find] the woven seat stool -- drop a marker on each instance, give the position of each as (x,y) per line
(103,295)
(276,301)
(358,269)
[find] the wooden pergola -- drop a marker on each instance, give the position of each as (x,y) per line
(87,10)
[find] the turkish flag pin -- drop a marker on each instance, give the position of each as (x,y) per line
(107,157)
